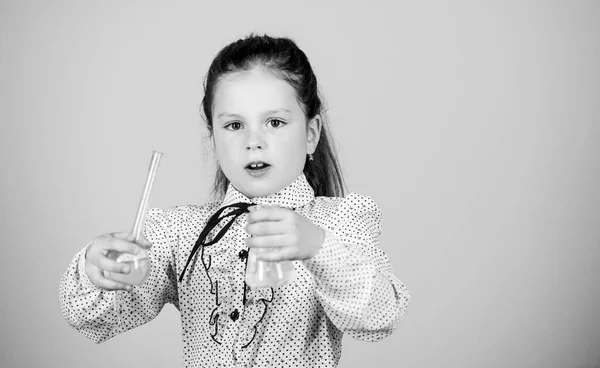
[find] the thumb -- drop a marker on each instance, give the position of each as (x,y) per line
(143,242)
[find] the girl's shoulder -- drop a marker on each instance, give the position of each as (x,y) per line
(354,217)
(352,203)
(352,207)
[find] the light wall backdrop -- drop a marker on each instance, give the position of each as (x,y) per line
(475,125)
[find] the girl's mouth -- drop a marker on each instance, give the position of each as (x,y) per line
(257,165)
(257,168)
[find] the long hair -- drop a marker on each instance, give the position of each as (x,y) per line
(283,58)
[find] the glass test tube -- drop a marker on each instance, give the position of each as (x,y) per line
(140,262)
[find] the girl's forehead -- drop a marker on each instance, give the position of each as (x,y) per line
(251,90)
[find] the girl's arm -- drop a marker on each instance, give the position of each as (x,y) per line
(355,282)
(100,314)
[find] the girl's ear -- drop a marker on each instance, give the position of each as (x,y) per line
(313,133)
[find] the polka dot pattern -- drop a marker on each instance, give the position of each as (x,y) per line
(347,288)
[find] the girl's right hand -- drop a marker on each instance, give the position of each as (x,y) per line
(101,254)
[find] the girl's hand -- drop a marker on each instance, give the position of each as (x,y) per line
(101,254)
(286,234)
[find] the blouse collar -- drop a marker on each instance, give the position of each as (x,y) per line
(297,194)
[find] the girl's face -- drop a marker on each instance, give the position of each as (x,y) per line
(260,132)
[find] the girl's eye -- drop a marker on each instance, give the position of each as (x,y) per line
(276,123)
(234,126)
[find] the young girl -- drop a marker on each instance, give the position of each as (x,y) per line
(281,195)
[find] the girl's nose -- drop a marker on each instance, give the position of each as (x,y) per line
(255,140)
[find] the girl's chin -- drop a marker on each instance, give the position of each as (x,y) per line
(253,192)
(252,189)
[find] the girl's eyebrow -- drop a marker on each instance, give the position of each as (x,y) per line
(268,112)
(271,112)
(228,114)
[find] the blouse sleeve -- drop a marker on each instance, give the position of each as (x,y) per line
(355,283)
(100,314)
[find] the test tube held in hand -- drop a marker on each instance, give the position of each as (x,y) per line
(138,225)
(140,263)
(261,274)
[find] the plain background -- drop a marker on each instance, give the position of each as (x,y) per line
(474,125)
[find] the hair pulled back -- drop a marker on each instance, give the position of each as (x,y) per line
(283,58)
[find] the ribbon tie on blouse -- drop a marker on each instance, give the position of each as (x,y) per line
(239,209)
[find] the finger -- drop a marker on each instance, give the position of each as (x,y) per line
(267,213)
(266,228)
(97,278)
(107,264)
(255,207)
(109,284)
(274,255)
(117,243)
(267,241)
(143,242)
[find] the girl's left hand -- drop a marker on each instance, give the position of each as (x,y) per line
(287,234)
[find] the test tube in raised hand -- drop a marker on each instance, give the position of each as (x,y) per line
(141,263)
(138,225)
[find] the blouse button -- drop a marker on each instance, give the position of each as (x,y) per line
(234,315)
(243,254)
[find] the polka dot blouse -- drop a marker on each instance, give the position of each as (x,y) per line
(347,288)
